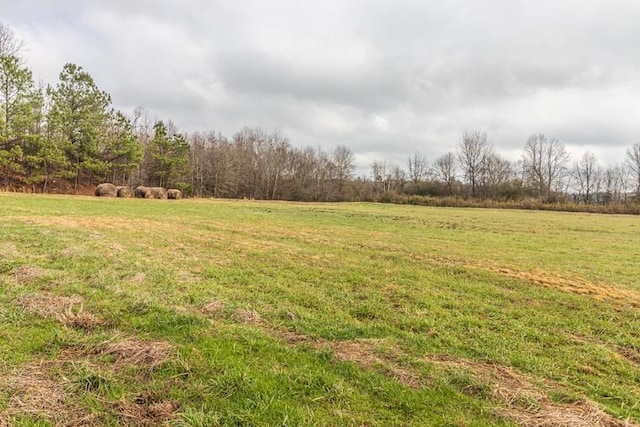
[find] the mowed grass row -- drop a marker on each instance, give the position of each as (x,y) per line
(199,312)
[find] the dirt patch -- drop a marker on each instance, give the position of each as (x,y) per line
(142,354)
(246,316)
(632,355)
(525,400)
(67,310)
(33,391)
(27,274)
(146,411)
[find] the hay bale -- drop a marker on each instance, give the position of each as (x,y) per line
(106,190)
(124,192)
(174,194)
(158,193)
(142,192)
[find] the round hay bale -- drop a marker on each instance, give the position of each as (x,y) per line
(142,192)
(124,191)
(106,190)
(174,194)
(158,193)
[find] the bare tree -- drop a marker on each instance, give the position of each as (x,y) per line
(545,164)
(587,175)
(382,175)
(9,45)
(473,150)
(398,177)
(444,170)
(496,172)
(614,183)
(418,169)
(633,161)
(344,161)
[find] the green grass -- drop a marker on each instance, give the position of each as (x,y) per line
(368,314)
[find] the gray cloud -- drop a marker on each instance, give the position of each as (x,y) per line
(384,78)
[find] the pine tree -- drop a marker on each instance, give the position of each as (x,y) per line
(168,158)
(121,149)
(21,107)
(78,121)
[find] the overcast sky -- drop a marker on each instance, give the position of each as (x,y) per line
(385,78)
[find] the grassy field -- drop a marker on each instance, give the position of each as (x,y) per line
(204,313)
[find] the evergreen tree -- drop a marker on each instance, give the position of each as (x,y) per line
(168,158)
(121,149)
(79,120)
(21,107)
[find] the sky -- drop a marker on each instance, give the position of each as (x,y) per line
(386,78)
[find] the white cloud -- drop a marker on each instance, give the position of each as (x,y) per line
(385,78)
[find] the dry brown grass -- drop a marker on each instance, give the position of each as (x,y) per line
(34,391)
(146,411)
(27,274)
(60,308)
(524,399)
(131,351)
(138,278)
(368,354)
(212,307)
(631,355)
(575,285)
(246,316)
(8,250)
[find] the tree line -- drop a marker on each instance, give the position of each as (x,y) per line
(69,132)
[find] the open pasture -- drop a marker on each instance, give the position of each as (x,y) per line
(199,312)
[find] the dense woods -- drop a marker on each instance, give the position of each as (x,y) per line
(67,137)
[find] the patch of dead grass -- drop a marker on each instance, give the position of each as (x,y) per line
(131,351)
(60,308)
(547,279)
(27,274)
(524,399)
(631,355)
(365,353)
(146,411)
(242,315)
(138,278)
(34,391)
(360,351)
(212,307)
(575,286)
